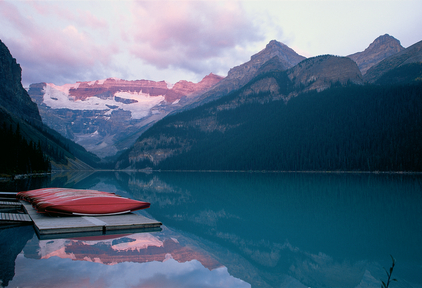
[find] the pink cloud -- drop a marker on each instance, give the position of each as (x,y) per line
(88,19)
(11,14)
(62,43)
(56,54)
(179,33)
(79,16)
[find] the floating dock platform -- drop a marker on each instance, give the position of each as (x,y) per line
(11,211)
(48,225)
(10,218)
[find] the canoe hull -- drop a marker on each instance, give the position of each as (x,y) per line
(91,207)
(78,202)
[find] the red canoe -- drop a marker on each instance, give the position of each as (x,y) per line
(42,204)
(65,194)
(63,201)
(31,194)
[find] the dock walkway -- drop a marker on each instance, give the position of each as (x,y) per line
(9,212)
(15,217)
(10,204)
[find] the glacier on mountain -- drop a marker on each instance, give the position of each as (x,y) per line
(107,116)
(57,97)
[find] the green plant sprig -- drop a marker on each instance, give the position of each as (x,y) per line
(384,285)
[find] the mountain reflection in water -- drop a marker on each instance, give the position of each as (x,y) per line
(137,248)
(155,259)
(244,230)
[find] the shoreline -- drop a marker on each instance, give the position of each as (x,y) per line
(245,171)
(7,177)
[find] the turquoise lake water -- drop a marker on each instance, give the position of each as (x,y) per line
(233,230)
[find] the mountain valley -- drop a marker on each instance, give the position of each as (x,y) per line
(278,111)
(27,145)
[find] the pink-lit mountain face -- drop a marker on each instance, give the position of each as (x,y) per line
(107,116)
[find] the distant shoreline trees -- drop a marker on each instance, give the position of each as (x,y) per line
(20,156)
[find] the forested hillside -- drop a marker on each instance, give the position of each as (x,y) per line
(21,144)
(353,128)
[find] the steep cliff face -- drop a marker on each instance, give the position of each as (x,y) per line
(190,89)
(106,116)
(382,47)
(20,123)
(17,108)
(108,88)
(13,97)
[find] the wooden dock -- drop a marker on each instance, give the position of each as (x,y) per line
(14,217)
(11,212)
(17,212)
(49,225)
(8,195)
(10,204)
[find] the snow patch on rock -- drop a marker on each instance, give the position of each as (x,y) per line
(57,97)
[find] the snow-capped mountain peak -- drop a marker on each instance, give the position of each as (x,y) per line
(98,114)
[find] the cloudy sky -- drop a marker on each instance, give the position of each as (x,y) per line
(67,41)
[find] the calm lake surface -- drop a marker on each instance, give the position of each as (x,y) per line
(233,230)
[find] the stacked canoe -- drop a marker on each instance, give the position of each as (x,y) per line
(66,201)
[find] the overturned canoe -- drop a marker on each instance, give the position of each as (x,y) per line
(34,196)
(64,201)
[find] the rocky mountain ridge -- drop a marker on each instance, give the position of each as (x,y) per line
(242,74)
(316,73)
(381,48)
(408,56)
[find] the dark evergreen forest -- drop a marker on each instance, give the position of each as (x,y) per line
(353,128)
(20,156)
